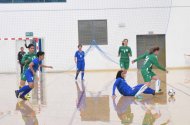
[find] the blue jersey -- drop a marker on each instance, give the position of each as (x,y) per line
(80,56)
(121,85)
(36,65)
(29,74)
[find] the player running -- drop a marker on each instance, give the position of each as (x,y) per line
(146,70)
(26,60)
(30,75)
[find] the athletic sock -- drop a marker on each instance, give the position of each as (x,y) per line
(77,73)
(26,91)
(24,88)
(82,75)
(141,90)
(157,86)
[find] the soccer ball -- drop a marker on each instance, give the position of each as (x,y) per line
(171,92)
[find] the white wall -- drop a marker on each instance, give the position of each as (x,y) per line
(178,42)
(57,23)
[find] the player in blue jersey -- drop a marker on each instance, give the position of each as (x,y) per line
(127,90)
(80,62)
(31,75)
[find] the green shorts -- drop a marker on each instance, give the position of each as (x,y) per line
(23,77)
(124,64)
(147,75)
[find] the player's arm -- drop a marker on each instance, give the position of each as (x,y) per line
(114,88)
(119,52)
(156,63)
(143,56)
(75,57)
(44,66)
(24,60)
(31,68)
(130,52)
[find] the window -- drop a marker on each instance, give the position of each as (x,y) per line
(30,1)
(89,30)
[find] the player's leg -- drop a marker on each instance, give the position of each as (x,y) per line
(30,86)
(78,70)
(122,65)
(22,66)
(26,88)
(147,79)
(82,70)
(126,66)
(158,82)
(23,80)
(77,73)
(146,91)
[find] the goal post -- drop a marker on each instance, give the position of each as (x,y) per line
(9,51)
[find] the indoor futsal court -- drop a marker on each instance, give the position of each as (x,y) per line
(94,62)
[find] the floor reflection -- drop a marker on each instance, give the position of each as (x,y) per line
(154,113)
(28,112)
(92,108)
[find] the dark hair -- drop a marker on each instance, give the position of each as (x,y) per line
(152,50)
(122,43)
(125,39)
(80,45)
(119,74)
(29,46)
(40,53)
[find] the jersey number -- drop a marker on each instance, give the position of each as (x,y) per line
(146,60)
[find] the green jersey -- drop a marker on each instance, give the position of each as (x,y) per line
(150,60)
(27,57)
(125,52)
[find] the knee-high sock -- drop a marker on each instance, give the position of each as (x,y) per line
(77,73)
(157,86)
(26,92)
(141,90)
(24,88)
(82,75)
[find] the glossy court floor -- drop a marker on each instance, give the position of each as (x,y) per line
(59,100)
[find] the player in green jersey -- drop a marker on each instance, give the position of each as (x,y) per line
(26,60)
(124,53)
(146,70)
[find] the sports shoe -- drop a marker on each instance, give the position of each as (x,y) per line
(27,96)
(16,93)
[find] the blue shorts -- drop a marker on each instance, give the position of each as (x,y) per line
(81,66)
(29,76)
